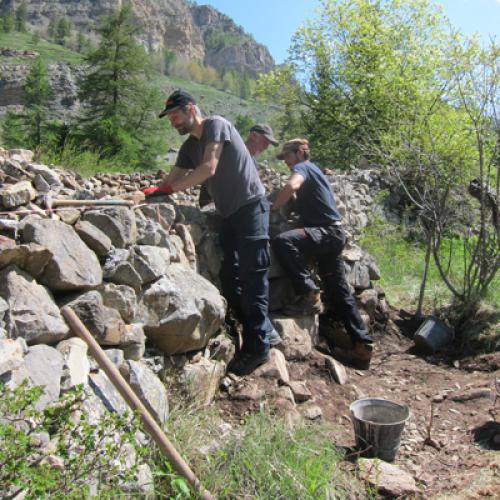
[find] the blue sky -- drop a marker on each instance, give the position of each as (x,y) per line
(273,22)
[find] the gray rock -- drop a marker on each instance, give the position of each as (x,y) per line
(104,323)
(116,222)
(32,258)
(45,367)
(189,248)
(122,298)
(15,195)
(359,276)
(149,389)
(275,367)
(163,213)
(41,185)
(202,379)
(48,175)
(119,270)
(210,257)
(93,237)
(76,362)
(32,314)
(69,215)
(106,392)
(11,356)
(73,265)
(336,369)
(181,311)
(300,391)
(150,232)
(368,301)
(134,342)
(116,356)
(387,478)
(312,412)
(298,335)
(150,262)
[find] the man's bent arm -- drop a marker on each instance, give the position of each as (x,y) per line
(293,184)
(203,171)
(174,175)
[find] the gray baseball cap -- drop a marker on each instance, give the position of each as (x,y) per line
(266,131)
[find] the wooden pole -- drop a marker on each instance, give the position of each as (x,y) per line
(134,402)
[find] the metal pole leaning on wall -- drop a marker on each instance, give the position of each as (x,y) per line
(154,430)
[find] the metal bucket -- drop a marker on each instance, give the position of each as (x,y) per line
(432,335)
(378,426)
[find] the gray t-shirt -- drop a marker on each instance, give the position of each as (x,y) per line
(236,182)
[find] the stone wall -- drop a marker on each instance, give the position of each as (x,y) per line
(143,279)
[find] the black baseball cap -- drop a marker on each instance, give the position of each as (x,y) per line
(177,99)
(266,131)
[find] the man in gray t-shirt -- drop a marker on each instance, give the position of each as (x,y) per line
(215,153)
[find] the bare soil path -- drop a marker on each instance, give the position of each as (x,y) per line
(454,454)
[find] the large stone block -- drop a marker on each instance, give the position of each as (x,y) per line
(32,313)
(73,266)
(181,311)
(118,223)
(299,335)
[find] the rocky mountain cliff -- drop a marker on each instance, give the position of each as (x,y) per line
(189,30)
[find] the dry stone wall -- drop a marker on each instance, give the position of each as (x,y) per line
(143,279)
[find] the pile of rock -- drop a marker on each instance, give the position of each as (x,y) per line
(135,274)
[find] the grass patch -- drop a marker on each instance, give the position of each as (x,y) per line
(401,263)
(51,52)
(87,163)
(260,460)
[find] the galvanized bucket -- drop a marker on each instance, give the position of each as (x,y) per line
(378,426)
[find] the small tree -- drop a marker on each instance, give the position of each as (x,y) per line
(243,124)
(117,100)
(8,22)
(62,31)
(51,28)
(27,129)
(21,17)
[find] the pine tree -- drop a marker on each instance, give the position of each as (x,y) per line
(8,22)
(51,28)
(21,17)
(27,129)
(62,31)
(115,92)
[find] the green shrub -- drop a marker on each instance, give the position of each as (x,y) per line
(80,456)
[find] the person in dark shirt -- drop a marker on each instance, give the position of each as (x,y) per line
(321,237)
(214,153)
(260,137)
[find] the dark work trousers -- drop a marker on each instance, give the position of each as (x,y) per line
(244,237)
(292,248)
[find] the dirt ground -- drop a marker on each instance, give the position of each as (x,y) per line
(454,454)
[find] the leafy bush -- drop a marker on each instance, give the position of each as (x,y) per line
(80,457)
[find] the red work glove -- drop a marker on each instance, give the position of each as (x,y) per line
(158,190)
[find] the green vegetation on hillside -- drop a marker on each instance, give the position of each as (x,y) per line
(391,83)
(51,52)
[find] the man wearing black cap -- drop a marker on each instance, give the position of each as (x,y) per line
(214,153)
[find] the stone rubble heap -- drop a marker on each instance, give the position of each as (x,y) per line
(143,280)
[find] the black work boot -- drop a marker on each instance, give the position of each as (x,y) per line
(306,305)
(358,356)
(245,363)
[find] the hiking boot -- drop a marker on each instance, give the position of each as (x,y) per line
(273,337)
(306,305)
(359,356)
(244,363)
